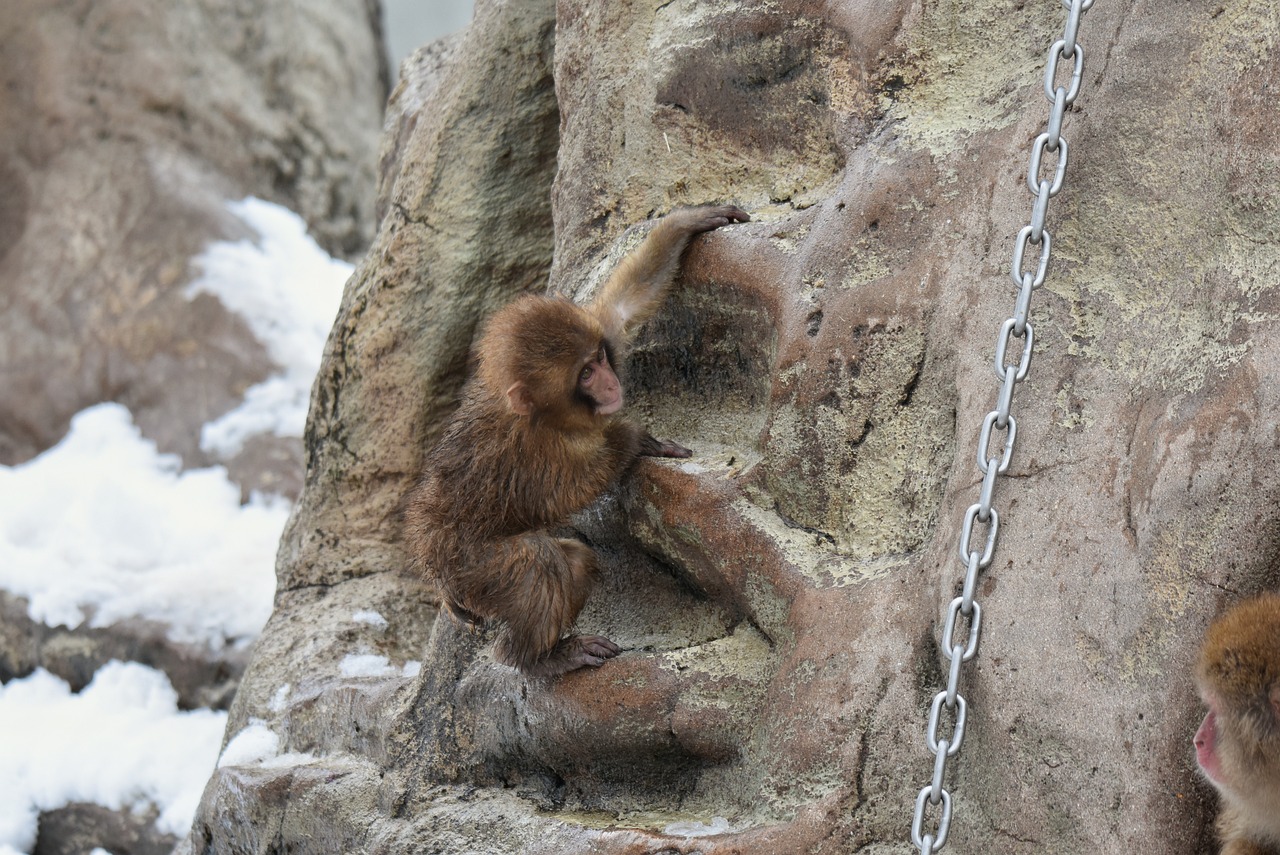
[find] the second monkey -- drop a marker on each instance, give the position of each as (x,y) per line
(536,438)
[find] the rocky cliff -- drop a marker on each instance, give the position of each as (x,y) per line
(780,600)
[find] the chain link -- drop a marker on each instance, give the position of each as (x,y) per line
(965,608)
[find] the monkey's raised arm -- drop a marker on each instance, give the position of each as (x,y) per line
(636,288)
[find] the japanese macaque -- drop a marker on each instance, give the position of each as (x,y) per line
(537,437)
(1238,745)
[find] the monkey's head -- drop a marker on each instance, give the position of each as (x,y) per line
(1238,674)
(550,360)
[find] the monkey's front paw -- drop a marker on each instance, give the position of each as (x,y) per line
(718,215)
(709,217)
(673,449)
(650,447)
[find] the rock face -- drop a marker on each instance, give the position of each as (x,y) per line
(780,601)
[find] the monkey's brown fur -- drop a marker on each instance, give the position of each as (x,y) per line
(1238,745)
(535,439)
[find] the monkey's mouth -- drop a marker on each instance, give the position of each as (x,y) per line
(1206,739)
(609,407)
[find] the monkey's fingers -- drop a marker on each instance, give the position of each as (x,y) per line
(733,214)
(667,448)
(650,447)
(708,217)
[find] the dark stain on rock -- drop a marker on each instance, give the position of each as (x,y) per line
(754,69)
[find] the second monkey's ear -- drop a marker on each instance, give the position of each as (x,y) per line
(519,399)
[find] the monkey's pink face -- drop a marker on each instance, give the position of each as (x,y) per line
(598,383)
(1206,742)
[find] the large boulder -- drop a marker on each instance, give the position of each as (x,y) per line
(781,597)
(125,127)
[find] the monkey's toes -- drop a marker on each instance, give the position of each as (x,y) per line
(598,646)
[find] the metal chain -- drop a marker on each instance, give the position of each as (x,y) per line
(965,607)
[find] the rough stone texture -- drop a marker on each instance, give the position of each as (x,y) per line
(830,363)
(202,677)
(80,828)
(124,127)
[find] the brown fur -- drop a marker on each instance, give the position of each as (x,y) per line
(528,447)
(1238,674)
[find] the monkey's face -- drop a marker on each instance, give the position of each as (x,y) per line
(1206,742)
(1237,751)
(598,383)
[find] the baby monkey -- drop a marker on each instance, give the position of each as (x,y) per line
(1238,744)
(536,438)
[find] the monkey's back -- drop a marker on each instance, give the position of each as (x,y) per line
(491,478)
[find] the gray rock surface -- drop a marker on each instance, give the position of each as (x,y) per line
(201,676)
(780,600)
(79,828)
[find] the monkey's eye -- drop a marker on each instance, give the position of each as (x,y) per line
(587,371)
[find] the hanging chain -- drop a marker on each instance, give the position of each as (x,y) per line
(965,608)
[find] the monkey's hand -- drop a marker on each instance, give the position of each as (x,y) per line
(650,447)
(704,218)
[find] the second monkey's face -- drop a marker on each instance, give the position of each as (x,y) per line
(1206,743)
(598,383)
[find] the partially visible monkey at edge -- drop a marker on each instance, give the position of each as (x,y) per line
(1238,744)
(537,437)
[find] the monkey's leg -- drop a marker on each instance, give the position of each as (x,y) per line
(576,651)
(551,578)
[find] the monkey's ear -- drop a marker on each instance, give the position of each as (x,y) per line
(519,399)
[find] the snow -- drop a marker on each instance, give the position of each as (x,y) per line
(259,745)
(716,825)
(372,618)
(365,665)
(372,665)
(102,528)
(288,290)
(121,742)
(280,700)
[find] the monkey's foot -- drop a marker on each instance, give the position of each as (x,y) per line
(588,650)
(574,652)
